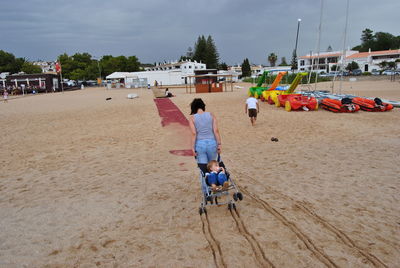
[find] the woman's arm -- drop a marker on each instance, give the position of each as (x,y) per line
(216,133)
(193,130)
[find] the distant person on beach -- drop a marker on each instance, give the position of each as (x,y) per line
(206,140)
(252,108)
(168,94)
(217,177)
(5,95)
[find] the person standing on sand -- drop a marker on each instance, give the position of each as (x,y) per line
(5,95)
(252,108)
(206,140)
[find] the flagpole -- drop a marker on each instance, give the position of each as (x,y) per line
(62,86)
(58,66)
(344,46)
(319,43)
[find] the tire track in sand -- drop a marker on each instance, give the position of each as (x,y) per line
(346,240)
(303,237)
(255,246)
(342,236)
(213,242)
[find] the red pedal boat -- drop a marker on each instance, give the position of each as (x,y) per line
(297,102)
(375,105)
(338,106)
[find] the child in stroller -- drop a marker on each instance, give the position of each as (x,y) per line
(216,183)
(217,177)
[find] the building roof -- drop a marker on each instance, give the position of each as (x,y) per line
(321,55)
(374,53)
(175,64)
(119,75)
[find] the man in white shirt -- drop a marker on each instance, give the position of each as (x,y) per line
(253,108)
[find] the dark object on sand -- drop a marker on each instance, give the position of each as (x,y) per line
(108,98)
(274,139)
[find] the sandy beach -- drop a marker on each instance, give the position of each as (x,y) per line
(86,182)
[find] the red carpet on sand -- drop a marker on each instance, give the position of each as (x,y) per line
(170,113)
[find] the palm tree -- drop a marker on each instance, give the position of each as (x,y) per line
(272,58)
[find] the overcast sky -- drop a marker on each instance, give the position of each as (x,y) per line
(157,30)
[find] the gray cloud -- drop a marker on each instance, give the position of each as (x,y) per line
(156,30)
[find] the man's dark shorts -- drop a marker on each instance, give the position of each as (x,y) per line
(252,112)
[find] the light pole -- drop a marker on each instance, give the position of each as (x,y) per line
(295,47)
(297,35)
(98,66)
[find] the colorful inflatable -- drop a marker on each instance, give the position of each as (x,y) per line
(339,106)
(283,98)
(257,91)
(298,102)
(375,105)
(272,96)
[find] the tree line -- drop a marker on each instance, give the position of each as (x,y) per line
(205,51)
(82,66)
(377,41)
(9,63)
(272,58)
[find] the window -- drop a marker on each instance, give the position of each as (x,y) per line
(332,60)
(190,66)
(301,62)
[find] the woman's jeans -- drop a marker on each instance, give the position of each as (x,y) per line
(217,179)
(206,150)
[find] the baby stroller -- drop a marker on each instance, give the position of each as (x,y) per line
(211,198)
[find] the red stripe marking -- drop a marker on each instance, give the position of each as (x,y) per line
(170,113)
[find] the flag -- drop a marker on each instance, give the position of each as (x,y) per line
(58,67)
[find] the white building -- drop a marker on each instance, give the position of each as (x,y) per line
(173,73)
(47,66)
(275,70)
(368,61)
(323,62)
(186,67)
(236,69)
(141,79)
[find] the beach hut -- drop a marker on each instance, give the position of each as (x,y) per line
(45,82)
(209,80)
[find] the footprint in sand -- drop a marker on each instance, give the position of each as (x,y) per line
(107,243)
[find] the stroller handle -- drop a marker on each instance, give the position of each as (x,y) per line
(218,157)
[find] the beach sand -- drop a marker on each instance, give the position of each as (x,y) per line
(86,182)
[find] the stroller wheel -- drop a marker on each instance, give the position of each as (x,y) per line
(240,196)
(235,196)
(202,210)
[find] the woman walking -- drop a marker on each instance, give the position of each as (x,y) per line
(206,140)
